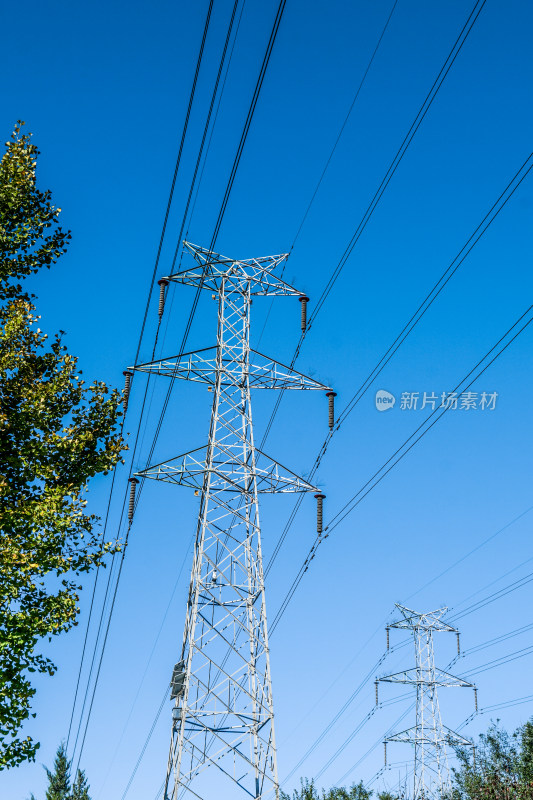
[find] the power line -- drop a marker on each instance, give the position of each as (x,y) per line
(471,552)
(277,617)
(376,744)
(491,583)
(372,671)
(339,137)
(193,180)
(480,230)
(498,662)
(91,606)
(94,654)
(99,631)
(465,653)
(132,704)
(506,704)
(470,673)
(457,46)
(337,716)
(333,149)
(387,733)
(426,105)
(213,240)
(419,118)
(102,653)
(154,273)
(283,607)
(206,127)
(229,186)
(199,182)
(345,122)
(370,674)
(491,598)
(397,456)
(175,175)
(351,504)
(497,640)
(249,117)
(187,330)
(429,99)
(517,179)
(146,743)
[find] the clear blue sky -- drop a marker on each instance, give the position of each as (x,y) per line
(104,89)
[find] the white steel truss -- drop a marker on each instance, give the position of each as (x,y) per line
(429,736)
(223,718)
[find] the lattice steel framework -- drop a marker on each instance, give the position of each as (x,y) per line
(223,714)
(429,736)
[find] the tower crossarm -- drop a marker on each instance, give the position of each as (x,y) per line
(253,275)
(228,472)
(204,366)
(414,736)
(431,620)
(427,676)
(455,739)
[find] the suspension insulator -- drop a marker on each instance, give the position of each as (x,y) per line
(319,512)
(377,701)
(163,283)
(331,408)
(303,300)
(133,483)
(126,394)
(458,644)
(387,629)
(474,757)
(385,752)
(475,698)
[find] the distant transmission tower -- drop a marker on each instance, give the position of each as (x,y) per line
(429,736)
(222,742)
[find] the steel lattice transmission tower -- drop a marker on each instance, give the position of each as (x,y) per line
(223,716)
(429,736)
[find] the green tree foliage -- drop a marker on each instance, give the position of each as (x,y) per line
(308,791)
(80,787)
(525,735)
(59,778)
(355,792)
(503,767)
(30,236)
(55,434)
(502,770)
